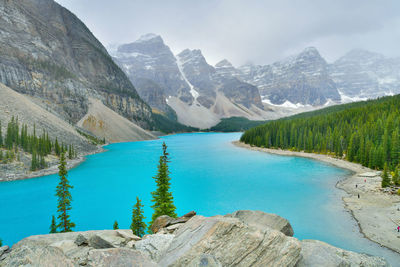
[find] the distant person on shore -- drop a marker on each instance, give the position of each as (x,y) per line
(356,185)
(358,195)
(398,228)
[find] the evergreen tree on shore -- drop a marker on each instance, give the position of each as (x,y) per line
(53,226)
(115,226)
(138,225)
(64,198)
(396,176)
(162,197)
(385,176)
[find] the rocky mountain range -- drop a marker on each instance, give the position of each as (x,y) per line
(307,79)
(198,93)
(201,94)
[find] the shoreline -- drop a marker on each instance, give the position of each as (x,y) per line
(54,168)
(373,211)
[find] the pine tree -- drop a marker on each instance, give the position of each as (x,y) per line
(64,198)
(138,225)
(385,176)
(53,226)
(115,226)
(396,176)
(162,197)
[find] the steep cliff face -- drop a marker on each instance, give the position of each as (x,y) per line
(48,53)
(152,68)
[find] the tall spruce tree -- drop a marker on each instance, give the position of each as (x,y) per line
(385,176)
(162,197)
(138,225)
(64,198)
(53,226)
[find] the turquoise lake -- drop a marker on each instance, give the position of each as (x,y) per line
(209,175)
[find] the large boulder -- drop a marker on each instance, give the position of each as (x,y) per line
(317,253)
(261,220)
(230,242)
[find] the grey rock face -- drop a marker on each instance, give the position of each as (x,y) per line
(262,220)
(316,253)
(300,79)
(48,53)
(364,74)
(152,68)
(232,243)
(199,74)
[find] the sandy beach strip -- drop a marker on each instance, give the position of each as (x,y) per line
(377,213)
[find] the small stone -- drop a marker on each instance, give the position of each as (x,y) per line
(172,228)
(128,235)
(130,244)
(161,222)
(81,240)
(98,243)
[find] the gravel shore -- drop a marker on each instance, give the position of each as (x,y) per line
(22,174)
(376,212)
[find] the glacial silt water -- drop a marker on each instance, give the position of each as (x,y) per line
(209,175)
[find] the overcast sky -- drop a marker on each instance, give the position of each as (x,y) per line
(243,31)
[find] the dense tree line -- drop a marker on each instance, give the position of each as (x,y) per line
(18,138)
(364,132)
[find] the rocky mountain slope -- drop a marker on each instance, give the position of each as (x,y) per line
(244,238)
(46,52)
(307,79)
(361,74)
(33,115)
(303,79)
(197,92)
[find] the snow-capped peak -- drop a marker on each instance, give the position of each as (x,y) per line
(147,37)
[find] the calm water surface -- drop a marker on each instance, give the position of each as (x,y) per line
(209,175)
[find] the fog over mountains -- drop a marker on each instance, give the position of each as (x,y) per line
(200,94)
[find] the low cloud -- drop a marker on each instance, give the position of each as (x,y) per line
(248,31)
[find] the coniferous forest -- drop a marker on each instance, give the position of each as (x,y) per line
(17,138)
(363,132)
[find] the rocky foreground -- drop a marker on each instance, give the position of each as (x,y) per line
(244,238)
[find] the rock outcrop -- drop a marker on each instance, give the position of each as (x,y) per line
(260,219)
(244,238)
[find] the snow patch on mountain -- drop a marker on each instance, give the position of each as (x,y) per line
(194,93)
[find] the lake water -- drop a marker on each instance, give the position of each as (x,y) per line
(209,175)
